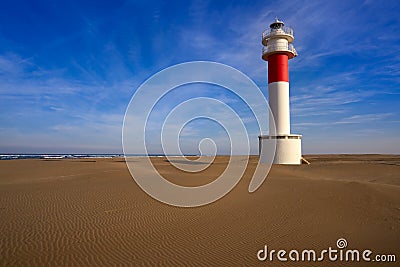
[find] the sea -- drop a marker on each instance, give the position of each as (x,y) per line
(57,156)
(73,156)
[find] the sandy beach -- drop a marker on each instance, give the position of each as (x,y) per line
(90,212)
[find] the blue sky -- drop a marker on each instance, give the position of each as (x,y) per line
(69,68)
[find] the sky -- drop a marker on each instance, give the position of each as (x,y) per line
(68,70)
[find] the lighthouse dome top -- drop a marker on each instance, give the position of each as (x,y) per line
(277,24)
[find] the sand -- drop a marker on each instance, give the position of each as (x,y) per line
(90,212)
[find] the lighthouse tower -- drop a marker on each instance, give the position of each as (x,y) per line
(277,50)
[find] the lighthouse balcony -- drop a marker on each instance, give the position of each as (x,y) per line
(273,49)
(284,32)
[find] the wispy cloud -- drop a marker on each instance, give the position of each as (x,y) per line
(365,118)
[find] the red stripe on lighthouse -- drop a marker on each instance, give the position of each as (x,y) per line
(278,70)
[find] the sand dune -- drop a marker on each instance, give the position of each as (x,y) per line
(91,212)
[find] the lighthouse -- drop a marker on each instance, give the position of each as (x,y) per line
(277,50)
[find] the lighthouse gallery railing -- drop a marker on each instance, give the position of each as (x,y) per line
(270,32)
(274,48)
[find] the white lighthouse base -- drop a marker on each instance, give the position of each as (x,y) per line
(288,149)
